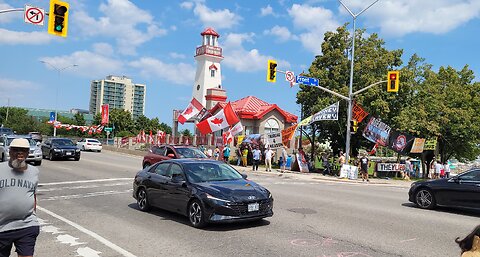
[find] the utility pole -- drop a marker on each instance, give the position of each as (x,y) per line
(8,107)
(350,95)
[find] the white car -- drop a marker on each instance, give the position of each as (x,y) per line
(89,144)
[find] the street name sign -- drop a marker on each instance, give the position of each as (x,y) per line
(34,15)
(108,129)
(307,81)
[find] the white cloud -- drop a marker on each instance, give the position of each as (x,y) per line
(24,38)
(9,16)
(90,65)
(10,85)
(120,21)
(268,10)
(316,21)
(103,49)
(179,73)
(400,17)
(187,5)
(177,55)
(242,60)
(218,19)
(282,33)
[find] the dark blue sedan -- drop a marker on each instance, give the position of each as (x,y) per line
(206,191)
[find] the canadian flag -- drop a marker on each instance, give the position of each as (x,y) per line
(236,129)
(143,138)
(192,110)
(223,119)
(227,137)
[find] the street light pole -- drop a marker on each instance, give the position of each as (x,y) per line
(350,89)
(59,70)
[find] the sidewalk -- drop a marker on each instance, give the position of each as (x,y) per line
(318,176)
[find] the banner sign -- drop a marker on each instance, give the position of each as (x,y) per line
(306,121)
(274,140)
(418,145)
(104,114)
(287,134)
(400,143)
(349,171)
(390,167)
(329,113)
(377,132)
(240,139)
(358,113)
(52,117)
(430,144)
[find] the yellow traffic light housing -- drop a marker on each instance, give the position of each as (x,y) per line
(353,126)
(272,71)
(58,18)
(393,79)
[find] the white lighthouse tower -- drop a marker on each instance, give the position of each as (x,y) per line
(209,72)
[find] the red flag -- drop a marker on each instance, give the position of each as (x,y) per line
(223,119)
(150,138)
(105,114)
(144,139)
(374,150)
(192,110)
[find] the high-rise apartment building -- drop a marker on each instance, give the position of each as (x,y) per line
(118,93)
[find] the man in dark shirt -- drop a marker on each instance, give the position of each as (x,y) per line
(364,167)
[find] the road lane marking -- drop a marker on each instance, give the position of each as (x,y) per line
(408,240)
(78,196)
(83,187)
(99,238)
(83,181)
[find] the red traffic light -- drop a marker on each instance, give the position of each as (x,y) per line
(393,76)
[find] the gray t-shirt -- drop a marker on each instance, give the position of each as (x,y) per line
(17,197)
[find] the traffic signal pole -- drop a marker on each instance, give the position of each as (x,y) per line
(350,95)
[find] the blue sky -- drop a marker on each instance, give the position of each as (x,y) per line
(153,42)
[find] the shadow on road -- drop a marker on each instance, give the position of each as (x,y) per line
(166,215)
(465,212)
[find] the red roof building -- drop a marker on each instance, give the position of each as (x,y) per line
(258,116)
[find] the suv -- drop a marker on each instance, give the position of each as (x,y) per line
(166,152)
(34,155)
(60,148)
(6,131)
(37,136)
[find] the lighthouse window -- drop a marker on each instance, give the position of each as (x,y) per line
(198,87)
(212,73)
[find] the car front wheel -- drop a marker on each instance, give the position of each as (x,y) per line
(196,214)
(425,199)
(50,156)
(142,200)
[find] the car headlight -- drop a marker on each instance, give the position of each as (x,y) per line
(77,150)
(57,150)
(216,199)
(270,195)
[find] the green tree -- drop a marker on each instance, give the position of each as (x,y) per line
(18,120)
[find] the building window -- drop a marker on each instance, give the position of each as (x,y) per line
(271,126)
(212,73)
(198,87)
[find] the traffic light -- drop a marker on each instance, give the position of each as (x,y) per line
(58,18)
(393,81)
(353,126)
(272,71)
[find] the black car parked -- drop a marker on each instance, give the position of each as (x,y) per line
(60,148)
(460,191)
(205,191)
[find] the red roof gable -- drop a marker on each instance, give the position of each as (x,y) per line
(210,31)
(253,108)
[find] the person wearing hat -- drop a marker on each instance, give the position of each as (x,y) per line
(18,184)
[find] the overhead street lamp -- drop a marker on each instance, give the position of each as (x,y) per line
(350,94)
(59,70)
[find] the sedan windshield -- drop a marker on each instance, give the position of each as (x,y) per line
(204,172)
(186,152)
(62,142)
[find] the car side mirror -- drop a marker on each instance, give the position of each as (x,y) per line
(244,175)
(171,155)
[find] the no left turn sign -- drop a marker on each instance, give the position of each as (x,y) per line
(34,15)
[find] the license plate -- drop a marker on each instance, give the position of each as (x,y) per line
(68,153)
(253,207)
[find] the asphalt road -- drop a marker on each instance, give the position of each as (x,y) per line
(86,209)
